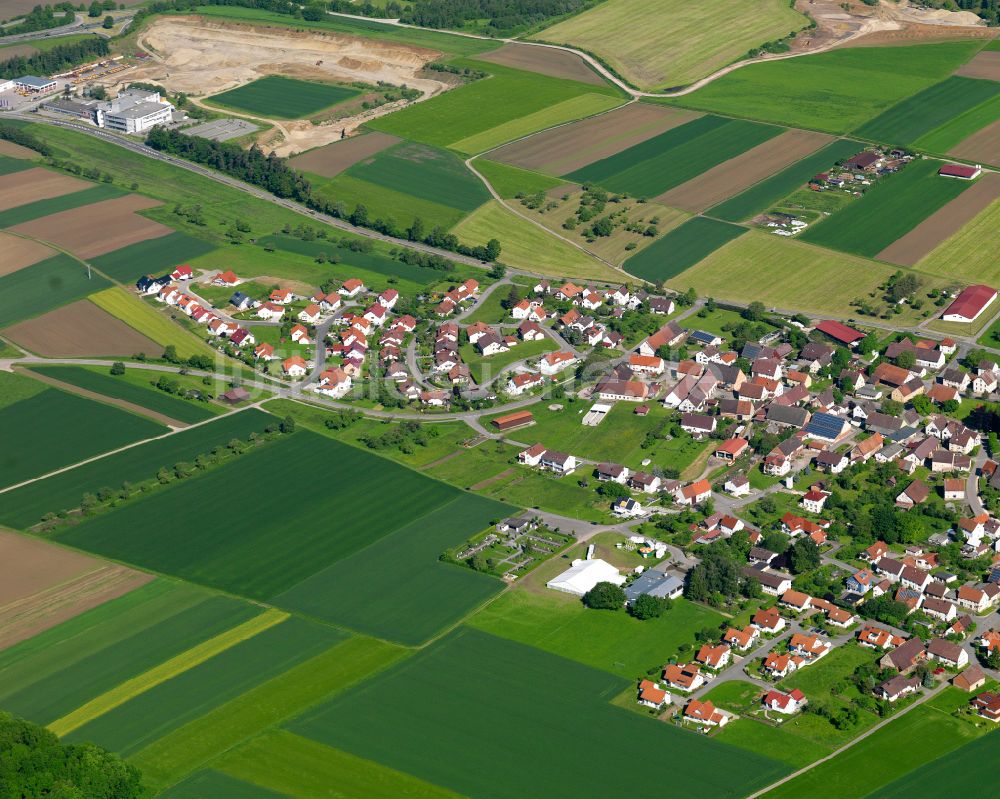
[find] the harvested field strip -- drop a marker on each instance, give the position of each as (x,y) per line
(964,257)
(397,588)
(331,159)
(425,172)
(761,196)
(387,721)
(546,60)
(177,665)
(153,257)
(207,685)
(952,135)
(219,786)
(98,658)
(909,249)
(298,767)
(732,176)
(889,210)
(574,146)
(982,147)
(29,566)
(24,506)
(682,248)
(98,228)
(676,156)
(35,289)
(19,253)
(9,166)
(34,185)
(77,329)
(920,114)
(34,210)
(142,317)
(278,97)
(567,111)
(985,65)
(146,397)
(192,746)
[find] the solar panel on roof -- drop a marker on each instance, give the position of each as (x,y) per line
(702,337)
(825,425)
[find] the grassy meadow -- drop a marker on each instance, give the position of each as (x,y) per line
(284,98)
(681,248)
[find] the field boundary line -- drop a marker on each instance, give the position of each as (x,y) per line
(167,670)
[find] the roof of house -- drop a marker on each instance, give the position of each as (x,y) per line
(840,332)
(971,301)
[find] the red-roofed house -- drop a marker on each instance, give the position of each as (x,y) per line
(705,713)
(840,332)
(784,703)
(960,171)
(968,305)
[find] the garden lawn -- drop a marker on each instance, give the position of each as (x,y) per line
(937,105)
(277,97)
(297,486)
(407,716)
(683,247)
(45,286)
(150,257)
(836,666)
(53,205)
(675,156)
(53,429)
(485,369)
(510,181)
(820,92)
(124,388)
(891,208)
(762,196)
(508,95)
(969,255)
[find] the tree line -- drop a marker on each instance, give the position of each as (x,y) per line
(58,59)
(25,139)
(499,17)
(41,18)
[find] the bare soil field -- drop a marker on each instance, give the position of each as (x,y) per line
(79,329)
(983,146)
(733,176)
(8,148)
(545,60)
(42,585)
(19,253)
(985,65)
(99,228)
(205,57)
(31,185)
(332,159)
(570,147)
(909,249)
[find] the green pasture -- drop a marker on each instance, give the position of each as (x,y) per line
(584,747)
(511,181)
(220,786)
(681,248)
(887,211)
(45,286)
(924,112)
(762,196)
(279,97)
(53,205)
(774,742)
(151,257)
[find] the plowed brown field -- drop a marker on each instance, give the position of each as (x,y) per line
(31,185)
(19,253)
(982,146)
(544,60)
(330,160)
(985,65)
(8,148)
(79,329)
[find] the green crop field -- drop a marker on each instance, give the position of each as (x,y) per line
(820,92)
(961,772)
(679,42)
(888,210)
(220,786)
(44,286)
(681,248)
(969,255)
(956,130)
(919,115)
(10,165)
(278,97)
(294,489)
(510,181)
(774,742)
(676,156)
(150,257)
(24,506)
(425,172)
(53,429)
(506,96)
(93,379)
(397,588)
(762,196)
(584,747)
(77,199)
(204,687)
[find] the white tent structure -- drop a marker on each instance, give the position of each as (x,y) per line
(584,575)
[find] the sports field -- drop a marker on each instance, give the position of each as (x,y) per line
(761,196)
(888,210)
(38,288)
(26,505)
(52,429)
(583,748)
(919,115)
(820,92)
(676,156)
(679,42)
(152,257)
(969,255)
(52,205)
(278,97)
(681,248)
(492,110)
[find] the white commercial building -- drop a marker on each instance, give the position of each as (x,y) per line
(584,575)
(134,111)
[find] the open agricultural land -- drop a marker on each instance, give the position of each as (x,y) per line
(283,98)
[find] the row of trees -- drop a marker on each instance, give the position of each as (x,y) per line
(500,17)
(41,18)
(25,139)
(58,59)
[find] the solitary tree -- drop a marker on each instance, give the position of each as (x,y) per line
(118,368)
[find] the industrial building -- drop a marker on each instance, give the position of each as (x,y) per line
(30,83)
(132,111)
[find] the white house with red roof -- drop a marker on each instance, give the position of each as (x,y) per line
(182,272)
(351,287)
(784,703)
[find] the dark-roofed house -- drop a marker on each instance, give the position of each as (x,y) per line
(897,687)
(787,415)
(825,426)
(905,656)
(915,493)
